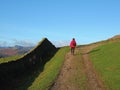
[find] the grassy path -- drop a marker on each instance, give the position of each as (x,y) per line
(78,73)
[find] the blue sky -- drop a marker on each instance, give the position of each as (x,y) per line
(26,22)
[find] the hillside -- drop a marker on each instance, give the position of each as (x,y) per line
(16,70)
(106,60)
(11,51)
(116,37)
(93,67)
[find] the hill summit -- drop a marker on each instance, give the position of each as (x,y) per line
(116,37)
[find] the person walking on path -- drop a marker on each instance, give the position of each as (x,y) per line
(73,45)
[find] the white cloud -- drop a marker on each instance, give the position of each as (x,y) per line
(14,42)
(28,43)
(3,43)
(25,43)
(61,43)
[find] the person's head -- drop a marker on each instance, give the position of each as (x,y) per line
(73,38)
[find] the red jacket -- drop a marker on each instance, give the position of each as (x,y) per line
(73,44)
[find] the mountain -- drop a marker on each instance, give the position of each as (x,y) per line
(11,51)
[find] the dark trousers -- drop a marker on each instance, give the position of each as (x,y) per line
(72,50)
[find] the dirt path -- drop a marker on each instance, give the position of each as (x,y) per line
(94,82)
(74,69)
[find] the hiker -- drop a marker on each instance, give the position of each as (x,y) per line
(73,45)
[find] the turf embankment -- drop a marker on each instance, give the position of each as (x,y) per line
(46,78)
(106,60)
(18,70)
(11,58)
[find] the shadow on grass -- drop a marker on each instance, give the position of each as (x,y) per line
(26,81)
(23,80)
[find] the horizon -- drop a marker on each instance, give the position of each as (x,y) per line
(26,22)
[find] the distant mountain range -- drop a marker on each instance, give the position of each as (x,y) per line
(15,50)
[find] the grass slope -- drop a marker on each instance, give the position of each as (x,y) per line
(51,70)
(8,59)
(106,59)
(45,79)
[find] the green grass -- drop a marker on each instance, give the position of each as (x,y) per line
(51,70)
(8,59)
(106,59)
(45,79)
